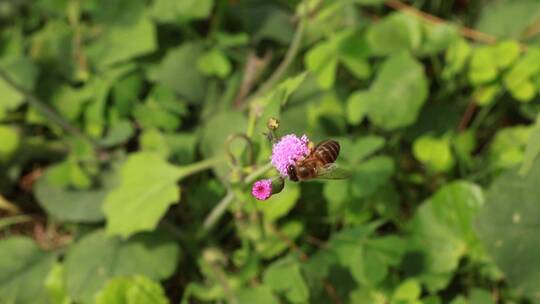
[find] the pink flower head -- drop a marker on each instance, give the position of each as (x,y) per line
(287,151)
(262,189)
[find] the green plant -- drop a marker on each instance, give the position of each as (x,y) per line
(131,133)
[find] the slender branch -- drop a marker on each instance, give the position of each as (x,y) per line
(185,171)
(253,176)
(532,29)
(467,116)
(47,111)
(8,206)
(218,211)
(465,31)
(284,65)
(13,220)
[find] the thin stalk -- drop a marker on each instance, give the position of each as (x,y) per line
(482,114)
(285,64)
(13,220)
(47,111)
(253,176)
(8,206)
(218,211)
(191,169)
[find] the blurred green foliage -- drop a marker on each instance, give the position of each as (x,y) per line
(131,132)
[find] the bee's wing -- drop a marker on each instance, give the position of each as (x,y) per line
(333,171)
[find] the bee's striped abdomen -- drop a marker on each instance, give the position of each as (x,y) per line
(327,151)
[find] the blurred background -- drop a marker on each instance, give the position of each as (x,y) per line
(132,131)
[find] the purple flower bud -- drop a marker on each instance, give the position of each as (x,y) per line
(265,188)
(262,189)
(287,151)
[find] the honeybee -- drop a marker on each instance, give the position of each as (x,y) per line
(318,164)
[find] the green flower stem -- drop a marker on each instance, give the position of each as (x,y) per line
(218,211)
(17,219)
(185,171)
(257,173)
(48,112)
(8,206)
(225,202)
(284,65)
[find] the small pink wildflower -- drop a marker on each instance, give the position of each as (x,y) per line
(287,151)
(262,189)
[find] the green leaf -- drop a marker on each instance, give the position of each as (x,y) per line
(189,83)
(134,290)
(359,150)
(394,34)
(96,258)
(442,230)
(399,91)
(322,61)
(147,189)
(506,52)
(485,95)
(122,43)
(508,18)
(23,269)
(532,149)
(481,296)
(23,72)
(10,138)
(56,286)
(438,37)
(118,134)
(279,205)
(154,141)
(508,147)
(370,175)
(261,294)
(354,52)
(185,10)
(508,228)
(214,62)
(284,276)
(433,152)
(519,79)
(72,205)
(214,134)
(456,57)
(409,290)
(357,106)
(483,65)
(368,259)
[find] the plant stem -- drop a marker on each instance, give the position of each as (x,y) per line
(8,206)
(218,211)
(284,65)
(17,219)
(465,31)
(222,206)
(187,170)
(253,176)
(47,111)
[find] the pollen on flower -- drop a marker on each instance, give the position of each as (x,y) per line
(262,189)
(287,151)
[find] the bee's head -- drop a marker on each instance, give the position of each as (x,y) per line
(291,171)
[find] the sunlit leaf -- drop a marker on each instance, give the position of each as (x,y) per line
(147,188)
(399,91)
(394,34)
(131,290)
